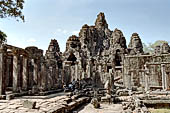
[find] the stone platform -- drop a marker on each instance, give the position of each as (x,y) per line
(56,103)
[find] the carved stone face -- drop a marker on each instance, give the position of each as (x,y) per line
(100,21)
(136,42)
(51,48)
(157,49)
(165,48)
(118,38)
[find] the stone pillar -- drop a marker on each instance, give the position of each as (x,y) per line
(100,68)
(129,82)
(43,77)
(54,77)
(57,78)
(35,72)
(2,73)
(49,78)
(25,74)
(15,73)
(111,78)
(76,71)
(164,78)
(7,71)
(146,82)
(146,78)
(61,76)
(38,73)
(72,74)
(83,74)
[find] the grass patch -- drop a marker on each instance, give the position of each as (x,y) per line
(159,110)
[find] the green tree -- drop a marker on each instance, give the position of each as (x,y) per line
(3,37)
(11,8)
(146,48)
(149,48)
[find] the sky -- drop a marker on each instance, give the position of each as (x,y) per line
(59,19)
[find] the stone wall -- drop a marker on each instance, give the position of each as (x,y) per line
(138,67)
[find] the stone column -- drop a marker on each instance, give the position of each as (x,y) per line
(15,73)
(100,68)
(43,77)
(2,73)
(7,71)
(146,78)
(35,72)
(49,78)
(111,78)
(25,74)
(57,77)
(72,74)
(54,77)
(129,82)
(39,72)
(164,81)
(76,71)
(146,82)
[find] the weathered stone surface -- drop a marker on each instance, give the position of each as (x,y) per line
(165,48)
(29,104)
(9,97)
(118,39)
(95,103)
(136,43)
(157,49)
(101,21)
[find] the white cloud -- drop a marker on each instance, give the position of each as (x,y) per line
(76,32)
(59,30)
(68,32)
(31,40)
(63,31)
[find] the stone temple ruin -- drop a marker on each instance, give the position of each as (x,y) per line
(96,56)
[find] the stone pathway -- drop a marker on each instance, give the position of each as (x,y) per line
(42,105)
(54,102)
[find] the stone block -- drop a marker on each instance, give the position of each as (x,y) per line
(9,97)
(29,104)
(2,97)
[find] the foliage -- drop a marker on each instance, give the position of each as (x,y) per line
(3,37)
(149,48)
(11,8)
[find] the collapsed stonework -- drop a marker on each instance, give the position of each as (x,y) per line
(97,56)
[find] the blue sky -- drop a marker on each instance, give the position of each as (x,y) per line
(58,19)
